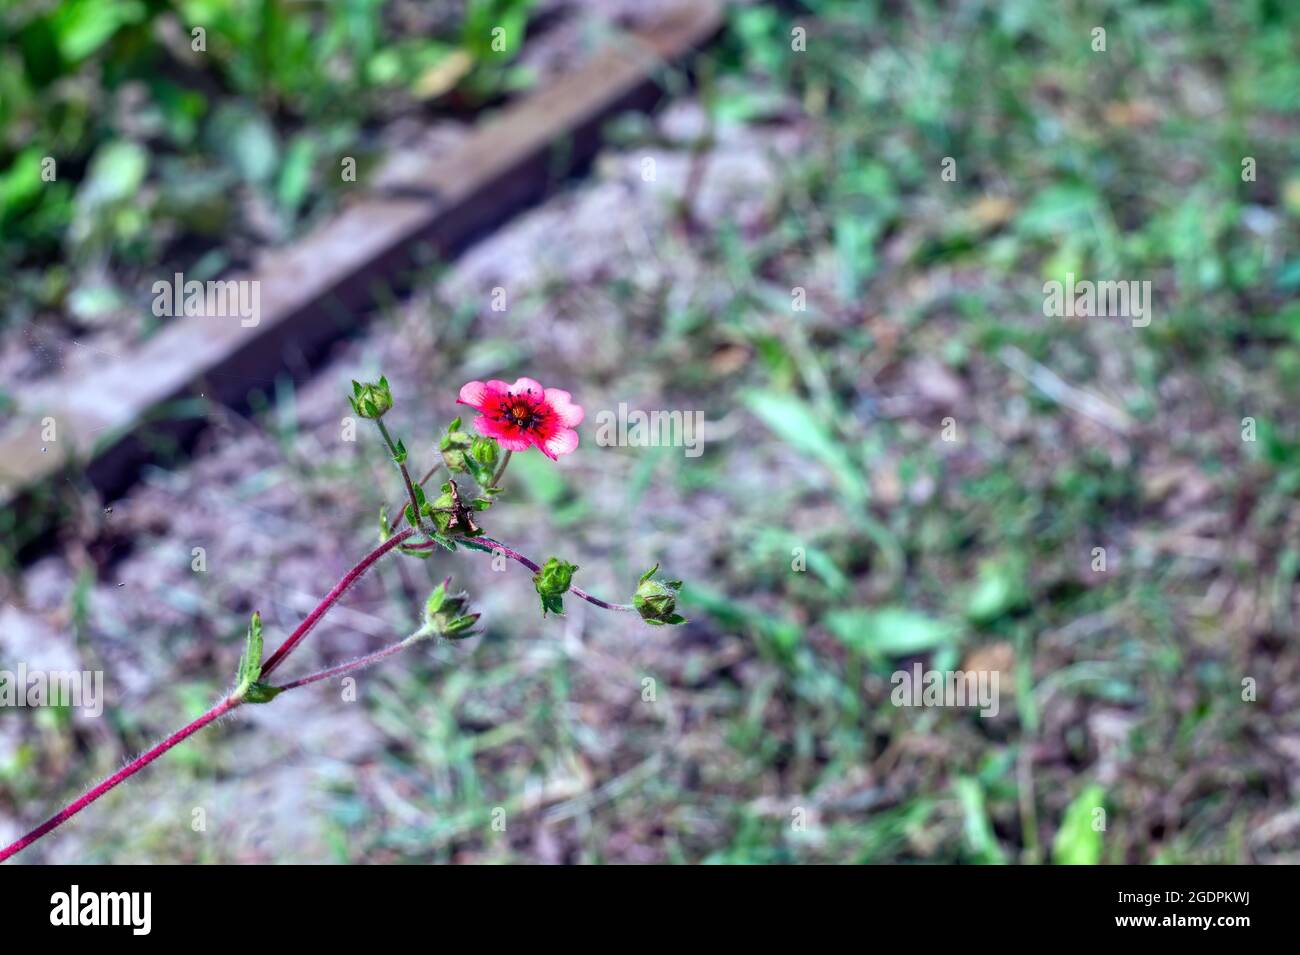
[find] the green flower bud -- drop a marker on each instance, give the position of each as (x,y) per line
(371,400)
(445,616)
(486,451)
(656,600)
(552,582)
(453,446)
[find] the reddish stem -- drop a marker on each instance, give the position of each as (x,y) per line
(276,658)
(225,705)
(133,767)
(356,664)
(486,544)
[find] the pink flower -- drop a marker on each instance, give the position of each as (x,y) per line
(524,415)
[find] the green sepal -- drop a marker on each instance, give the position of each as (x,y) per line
(261,693)
(445,616)
(455,445)
(656,600)
(486,451)
(371,400)
(480,472)
(247,687)
(411,514)
(435,601)
(461,628)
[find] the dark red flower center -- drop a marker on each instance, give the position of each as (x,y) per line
(520,413)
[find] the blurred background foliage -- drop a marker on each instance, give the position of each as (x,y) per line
(157,111)
(1174,447)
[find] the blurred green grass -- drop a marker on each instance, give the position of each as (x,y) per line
(773,738)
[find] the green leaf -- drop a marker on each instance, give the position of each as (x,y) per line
(83,26)
(248,142)
(295,176)
(889,631)
(784,634)
(795,423)
(1058,209)
(978,829)
(1000,589)
(1078,842)
(20,185)
(543,480)
(116,174)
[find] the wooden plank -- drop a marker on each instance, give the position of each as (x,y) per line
(308,289)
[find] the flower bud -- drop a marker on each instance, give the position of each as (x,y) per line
(552,582)
(453,446)
(486,451)
(371,400)
(445,616)
(656,600)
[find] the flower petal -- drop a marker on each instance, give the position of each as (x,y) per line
(514,443)
(561,402)
(562,442)
(472,393)
(508,437)
(527,386)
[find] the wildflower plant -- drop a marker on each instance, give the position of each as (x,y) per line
(511,418)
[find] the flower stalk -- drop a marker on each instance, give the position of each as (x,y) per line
(512,417)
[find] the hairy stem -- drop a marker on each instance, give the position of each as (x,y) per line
(225,706)
(276,658)
(420,483)
(131,768)
(229,703)
(356,664)
(406,475)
